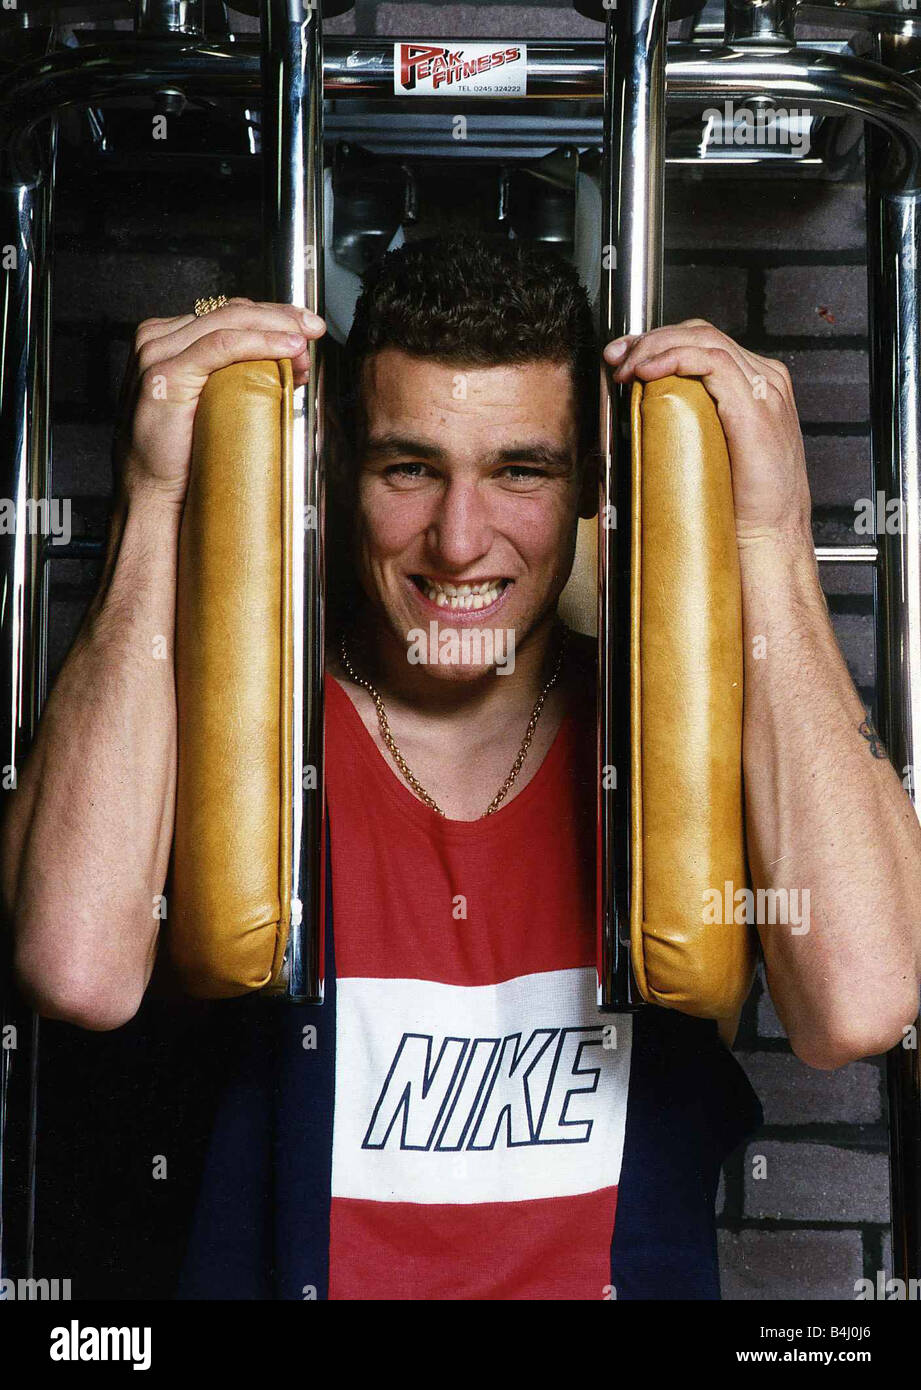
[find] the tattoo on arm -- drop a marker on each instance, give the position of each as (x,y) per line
(877,747)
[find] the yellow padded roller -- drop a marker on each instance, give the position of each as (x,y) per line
(687,831)
(228,913)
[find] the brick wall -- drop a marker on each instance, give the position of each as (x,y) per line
(780,266)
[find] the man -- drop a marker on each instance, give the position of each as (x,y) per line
(467,1125)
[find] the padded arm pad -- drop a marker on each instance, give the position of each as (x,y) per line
(687,831)
(229,909)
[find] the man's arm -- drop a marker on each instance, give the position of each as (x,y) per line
(86,835)
(825,813)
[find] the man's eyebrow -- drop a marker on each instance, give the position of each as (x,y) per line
(533,451)
(537,451)
(401,444)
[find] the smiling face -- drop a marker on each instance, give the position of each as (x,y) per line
(468,496)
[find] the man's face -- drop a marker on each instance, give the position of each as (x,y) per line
(468,496)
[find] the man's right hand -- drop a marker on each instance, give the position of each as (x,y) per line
(170,362)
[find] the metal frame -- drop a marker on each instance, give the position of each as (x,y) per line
(292,81)
(632,71)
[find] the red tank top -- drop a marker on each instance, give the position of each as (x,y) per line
(480,1095)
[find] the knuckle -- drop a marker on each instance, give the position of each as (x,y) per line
(224,340)
(774,396)
(145,358)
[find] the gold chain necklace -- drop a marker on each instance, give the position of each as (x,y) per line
(401,762)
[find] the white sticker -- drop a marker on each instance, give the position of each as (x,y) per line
(436,1084)
(449,67)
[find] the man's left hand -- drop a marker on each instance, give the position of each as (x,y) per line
(754,400)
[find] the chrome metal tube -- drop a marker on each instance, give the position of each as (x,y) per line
(846,554)
(122,67)
(767,22)
(824,83)
(293,163)
(169,16)
(882,16)
(828,83)
(893,258)
(25,245)
(633,184)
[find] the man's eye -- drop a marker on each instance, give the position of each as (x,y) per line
(410,471)
(519,472)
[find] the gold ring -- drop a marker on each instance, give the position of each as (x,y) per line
(208,306)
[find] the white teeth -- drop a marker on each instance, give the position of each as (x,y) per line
(463,596)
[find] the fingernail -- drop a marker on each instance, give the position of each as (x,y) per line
(295,340)
(311,320)
(617,348)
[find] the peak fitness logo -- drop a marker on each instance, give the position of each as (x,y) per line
(442,67)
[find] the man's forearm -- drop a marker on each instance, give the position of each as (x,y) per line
(87,833)
(827,813)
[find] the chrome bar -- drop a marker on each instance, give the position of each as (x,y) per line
(503,134)
(828,83)
(823,83)
(633,185)
(893,263)
(26,242)
(768,22)
(846,554)
(169,16)
(293,166)
(125,66)
(887,16)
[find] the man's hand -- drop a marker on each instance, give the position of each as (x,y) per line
(823,813)
(169,364)
(754,398)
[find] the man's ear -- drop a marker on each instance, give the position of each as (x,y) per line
(588,486)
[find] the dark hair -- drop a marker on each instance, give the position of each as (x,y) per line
(475,301)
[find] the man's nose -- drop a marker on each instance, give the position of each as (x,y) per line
(460,531)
